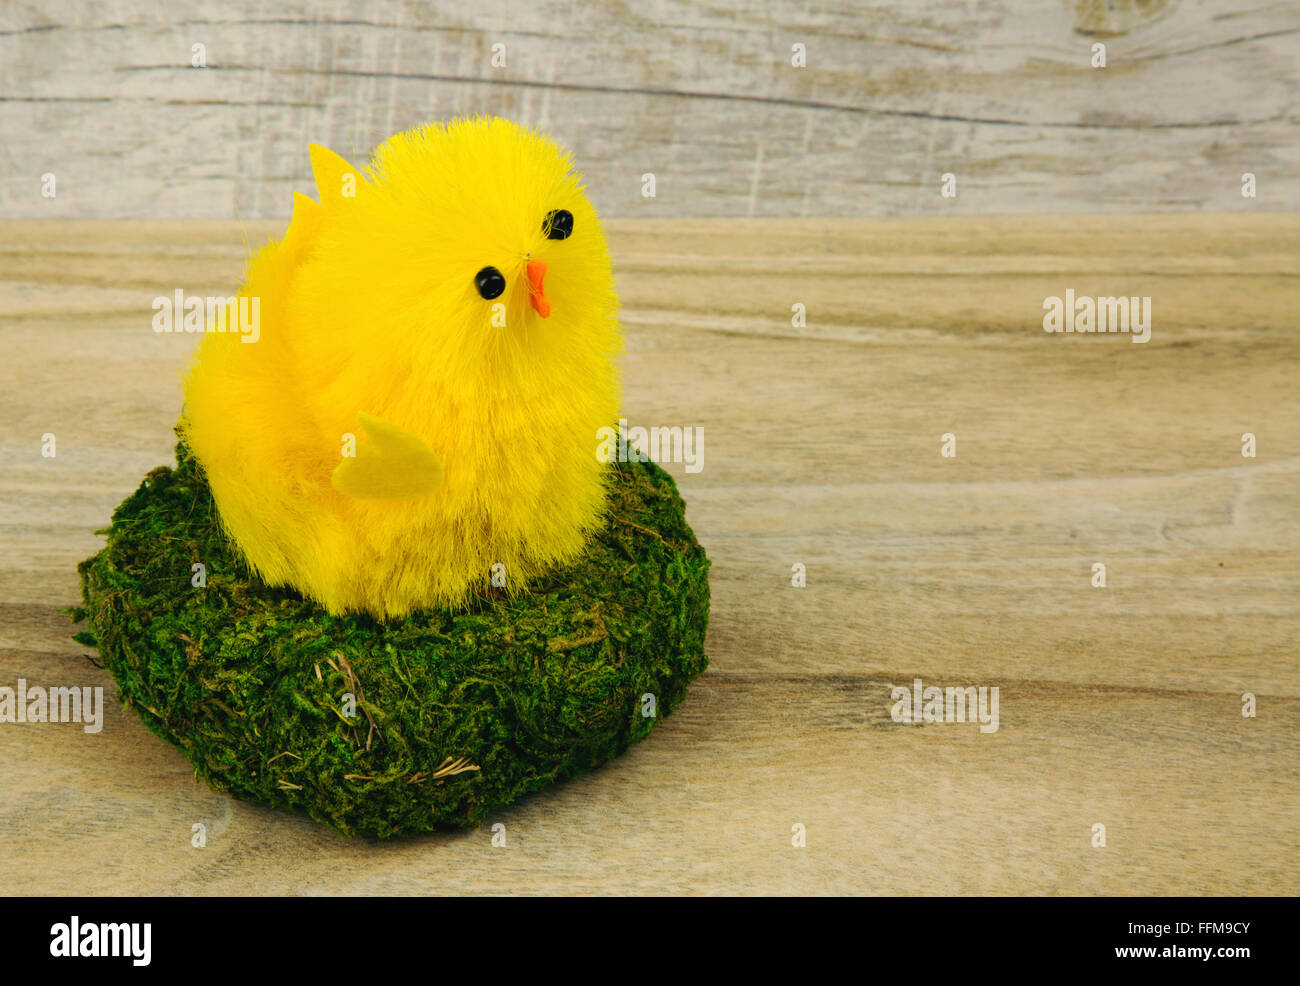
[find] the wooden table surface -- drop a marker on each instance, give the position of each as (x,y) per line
(1119,706)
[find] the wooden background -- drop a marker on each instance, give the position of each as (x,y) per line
(999,93)
(1119,706)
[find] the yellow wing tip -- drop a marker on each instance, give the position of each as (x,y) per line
(396,465)
(330,171)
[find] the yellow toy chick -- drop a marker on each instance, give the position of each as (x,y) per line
(437,347)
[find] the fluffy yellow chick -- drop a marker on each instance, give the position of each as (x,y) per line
(437,346)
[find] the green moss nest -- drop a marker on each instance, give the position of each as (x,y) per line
(457,713)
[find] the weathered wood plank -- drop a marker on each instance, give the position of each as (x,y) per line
(999,94)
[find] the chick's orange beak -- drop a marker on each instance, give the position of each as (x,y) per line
(537,271)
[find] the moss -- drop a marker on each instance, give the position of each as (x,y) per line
(458,713)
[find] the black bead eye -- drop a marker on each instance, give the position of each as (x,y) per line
(558,224)
(489,282)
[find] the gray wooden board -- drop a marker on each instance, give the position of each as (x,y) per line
(1000,94)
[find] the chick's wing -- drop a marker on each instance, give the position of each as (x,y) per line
(395,465)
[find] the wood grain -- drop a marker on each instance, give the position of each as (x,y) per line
(1000,94)
(1119,706)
